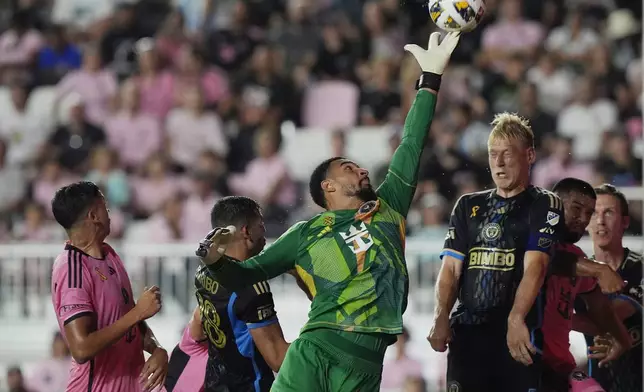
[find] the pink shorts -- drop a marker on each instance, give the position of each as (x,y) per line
(580,382)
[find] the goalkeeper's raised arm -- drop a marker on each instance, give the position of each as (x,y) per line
(400,183)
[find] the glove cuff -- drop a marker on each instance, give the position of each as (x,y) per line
(429,80)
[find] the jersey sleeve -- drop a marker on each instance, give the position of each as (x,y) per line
(275,260)
(254,306)
(546,225)
(564,260)
(399,185)
(72,290)
(456,242)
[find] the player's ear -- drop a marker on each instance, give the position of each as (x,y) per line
(532,156)
(327,186)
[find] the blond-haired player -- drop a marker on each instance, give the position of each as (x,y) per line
(496,253)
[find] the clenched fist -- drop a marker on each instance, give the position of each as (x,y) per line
(149,303)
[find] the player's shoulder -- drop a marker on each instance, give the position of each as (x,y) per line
(70,265)
(634,257)
(569,247)
(255,290)
(545,196)
(473,198)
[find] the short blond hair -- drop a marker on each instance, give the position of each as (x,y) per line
(512,126)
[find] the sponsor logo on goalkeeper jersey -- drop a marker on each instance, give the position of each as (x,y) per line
(208,283)
(492,259)
(358,238)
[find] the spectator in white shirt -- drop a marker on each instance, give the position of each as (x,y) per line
(51,375)
(587,119)
(192,130)
(24,128)
(572,41)
(554,83)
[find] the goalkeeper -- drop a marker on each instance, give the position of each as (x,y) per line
(351,257)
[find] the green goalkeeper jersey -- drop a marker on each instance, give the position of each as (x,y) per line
(352,261)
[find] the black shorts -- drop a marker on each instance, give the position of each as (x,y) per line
(552,381)
(479,361)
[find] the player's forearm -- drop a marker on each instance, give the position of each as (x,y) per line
(406,159)
(150,342)
(581,323)
(589,268)
(87,347)
(235,276)
(529,287)
(446,291)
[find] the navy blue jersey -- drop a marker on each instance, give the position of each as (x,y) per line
(491,234)
(234,363)
(625,373)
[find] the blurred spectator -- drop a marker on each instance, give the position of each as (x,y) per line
(382,38)
(24,127)
(19,46)
(586,119)
(171,38)
(48,181)
(618,164)
(51,375)
(336,59)
(15,380)
(105,172)
(433,214)
(36,227)
(543,124)
(299,36)
(163,226)
(133,133)
(155,85)
(379,102)
(81,14)
(117,45)
(73,143)
(501,91)
(474,134)
(381,171)
(262,92)
(194,71)
(573,41)
(560,165)
(57,57)
(554,84)
(13,186)
(266,178)
(510,35)
(96,87)
(154,187)
(192,129)
(396,371)
(233,42)
(202,196)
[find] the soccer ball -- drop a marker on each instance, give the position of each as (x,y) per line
(456,15)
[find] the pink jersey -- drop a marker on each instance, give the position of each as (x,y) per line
(83,285)
(557,322)
(187,368)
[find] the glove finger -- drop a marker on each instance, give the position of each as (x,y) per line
(415,50)
(451,41)
(433,40)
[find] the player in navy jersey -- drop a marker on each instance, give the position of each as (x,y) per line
(606,229)
(497,250)
(246,343)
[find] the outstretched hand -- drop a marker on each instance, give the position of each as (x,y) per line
(213,247)
(434,59)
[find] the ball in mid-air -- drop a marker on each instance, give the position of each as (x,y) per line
(456,15)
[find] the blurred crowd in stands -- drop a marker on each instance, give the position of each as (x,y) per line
(170,105)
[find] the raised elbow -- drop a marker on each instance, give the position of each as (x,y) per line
(81,354)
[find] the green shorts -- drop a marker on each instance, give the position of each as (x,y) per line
(319,361)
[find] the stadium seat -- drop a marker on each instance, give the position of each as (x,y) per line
(331,104)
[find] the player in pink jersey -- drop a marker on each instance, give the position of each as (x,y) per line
(578,199)
(187,368)
(93,301)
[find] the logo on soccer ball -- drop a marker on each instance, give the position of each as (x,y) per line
(491,232)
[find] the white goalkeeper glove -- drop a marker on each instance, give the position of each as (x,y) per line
(213,247)
(435,58)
